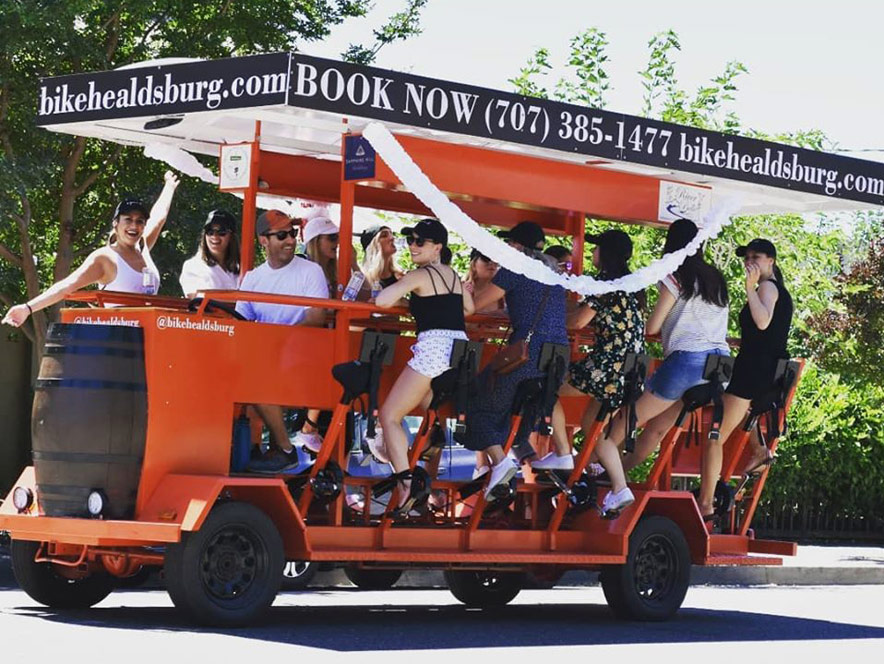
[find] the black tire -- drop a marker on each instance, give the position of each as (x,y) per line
(372,579)
(229,571)
(44,584)
(484,589)
(652,584)
(297,574)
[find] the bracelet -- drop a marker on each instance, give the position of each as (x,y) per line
(30,311)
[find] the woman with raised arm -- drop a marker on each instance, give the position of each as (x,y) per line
(216,263)
(764,330)
(379,263)
(438,303)
(123,265)
(691,317)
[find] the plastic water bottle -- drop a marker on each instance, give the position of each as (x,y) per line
(353,286)
(242,444)
(148,285)
(376,288)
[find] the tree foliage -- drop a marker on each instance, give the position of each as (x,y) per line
(833,453)
(57,192)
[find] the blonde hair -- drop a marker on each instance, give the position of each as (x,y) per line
(374,264)
(329,266)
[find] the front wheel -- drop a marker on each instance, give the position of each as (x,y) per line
(52,585)
(652,584)
(372,579)
(229,571)
(484,589)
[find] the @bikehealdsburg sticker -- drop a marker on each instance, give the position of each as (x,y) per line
(176,323)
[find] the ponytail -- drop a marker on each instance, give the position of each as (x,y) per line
(778,274)
(445,256)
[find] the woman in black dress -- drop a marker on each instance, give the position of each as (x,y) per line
(764,329)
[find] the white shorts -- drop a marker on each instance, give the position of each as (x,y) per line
(432,352)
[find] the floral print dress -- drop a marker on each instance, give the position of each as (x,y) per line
(619,329)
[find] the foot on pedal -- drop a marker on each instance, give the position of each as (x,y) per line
(615,503)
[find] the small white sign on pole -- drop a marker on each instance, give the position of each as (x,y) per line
(683,201)
(236,166)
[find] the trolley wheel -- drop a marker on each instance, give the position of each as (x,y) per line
(46,583)
(297,574)
(652,584)
(372,579)
(229,571)
(484,589)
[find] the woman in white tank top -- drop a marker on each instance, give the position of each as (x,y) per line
(123,265)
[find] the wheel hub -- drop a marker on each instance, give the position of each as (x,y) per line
(656,568)
(229,564)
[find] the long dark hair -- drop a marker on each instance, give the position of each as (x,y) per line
(695,276)
(231,256)
(613,265)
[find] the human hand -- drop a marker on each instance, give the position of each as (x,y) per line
(753,272)
(171,179)
(16,315)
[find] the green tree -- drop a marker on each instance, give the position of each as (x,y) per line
(56,191)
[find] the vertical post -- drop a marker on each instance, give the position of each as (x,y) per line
(577,230)
(249,208)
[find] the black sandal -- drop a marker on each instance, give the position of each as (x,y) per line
(759,467)
(418,493)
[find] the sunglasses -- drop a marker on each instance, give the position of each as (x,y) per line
(220,232)
(282,235)
(417,241)
(331,237)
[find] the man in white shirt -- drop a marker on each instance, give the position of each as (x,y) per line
(283,273)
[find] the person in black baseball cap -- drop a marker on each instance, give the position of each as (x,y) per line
(526,234)
(758,246)
(379,263)
(123,264)
(216,263)
(432,230)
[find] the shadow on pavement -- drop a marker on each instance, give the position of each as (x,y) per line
(383,627)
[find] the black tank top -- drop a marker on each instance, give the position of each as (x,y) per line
(442,311)
(771,341)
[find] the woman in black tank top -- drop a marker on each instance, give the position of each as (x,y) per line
(764,329)
(438,303)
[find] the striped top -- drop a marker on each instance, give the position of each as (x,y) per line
(693,325)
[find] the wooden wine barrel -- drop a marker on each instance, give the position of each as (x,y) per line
(88,425)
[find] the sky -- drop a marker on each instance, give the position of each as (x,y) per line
(812,64)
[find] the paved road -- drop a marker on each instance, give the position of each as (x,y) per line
(725,624)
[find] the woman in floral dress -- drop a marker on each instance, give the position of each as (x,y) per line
(618,327)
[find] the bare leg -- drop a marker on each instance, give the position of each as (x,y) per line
(272,416)
(312,416)
(651,435)
(734,412)
(560,434)
(408,391)
(495,453)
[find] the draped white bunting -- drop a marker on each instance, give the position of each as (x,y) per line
(474,235)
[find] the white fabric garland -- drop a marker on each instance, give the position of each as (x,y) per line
(401,163)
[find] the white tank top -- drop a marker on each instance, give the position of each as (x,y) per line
(129,280)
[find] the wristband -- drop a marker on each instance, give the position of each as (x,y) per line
(30,311)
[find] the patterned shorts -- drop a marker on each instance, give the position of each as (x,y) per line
(432,352)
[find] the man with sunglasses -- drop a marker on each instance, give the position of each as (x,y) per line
(283,273)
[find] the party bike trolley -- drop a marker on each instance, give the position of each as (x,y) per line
(137,436)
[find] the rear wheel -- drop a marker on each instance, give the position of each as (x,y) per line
(53,585)
(372,579)
(484,589)
(230,570)
(297,574)
(652,584)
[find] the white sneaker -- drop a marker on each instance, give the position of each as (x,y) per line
(614,503)
(479,471)
(554,462)
(378,447)
(310,441)
(501,473)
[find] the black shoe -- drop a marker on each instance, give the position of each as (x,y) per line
(275,461)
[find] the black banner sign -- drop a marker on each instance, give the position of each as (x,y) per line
(423,102)
(379,94)
(210,85)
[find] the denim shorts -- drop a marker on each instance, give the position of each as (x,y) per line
(678,373)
